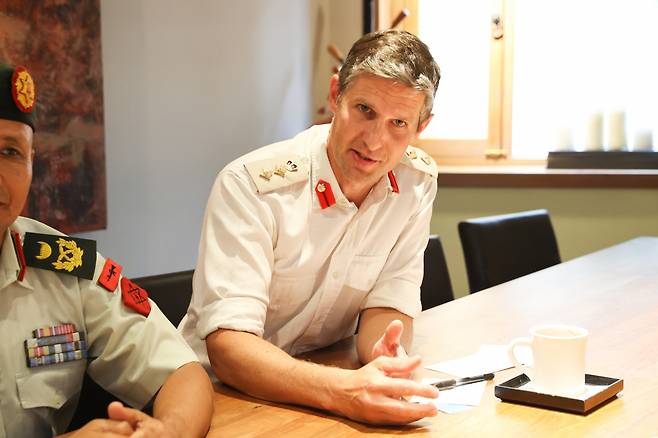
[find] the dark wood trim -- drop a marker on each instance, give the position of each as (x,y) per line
(535,176)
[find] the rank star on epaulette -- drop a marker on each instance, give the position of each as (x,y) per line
(68,255)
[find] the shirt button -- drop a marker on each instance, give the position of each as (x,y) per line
(343,202)
(336,275)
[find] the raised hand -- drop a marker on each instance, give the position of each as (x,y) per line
(376,392)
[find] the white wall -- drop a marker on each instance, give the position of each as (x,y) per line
(189,86)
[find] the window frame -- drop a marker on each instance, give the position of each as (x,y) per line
(495,150)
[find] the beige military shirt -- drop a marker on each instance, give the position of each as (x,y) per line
(273,262)
(129,355)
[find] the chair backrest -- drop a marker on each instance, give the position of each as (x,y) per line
(436,287)
(501,248)
(172,292)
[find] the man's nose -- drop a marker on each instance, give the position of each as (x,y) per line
(375,135)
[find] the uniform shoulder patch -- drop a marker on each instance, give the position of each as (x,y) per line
(274,173)
(135,297)
(68,255)
(418,159)
(109,278)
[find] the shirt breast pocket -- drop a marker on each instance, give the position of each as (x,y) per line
(50,387)
(364,271)
(290,292)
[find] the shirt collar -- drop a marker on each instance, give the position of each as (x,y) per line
(9,264)
(321,170)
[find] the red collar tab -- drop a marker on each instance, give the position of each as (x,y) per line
(393,182)
(20,254)
(135,297)
(325,194)
(109,278)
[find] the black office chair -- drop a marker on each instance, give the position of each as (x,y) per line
(436,288)
(172,293)
(501,248)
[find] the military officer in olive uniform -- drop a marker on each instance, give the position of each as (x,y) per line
(65,310)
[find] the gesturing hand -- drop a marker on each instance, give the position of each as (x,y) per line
(143,425)
(389,343)
(374,393)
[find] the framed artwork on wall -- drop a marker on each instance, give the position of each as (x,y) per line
(59,43)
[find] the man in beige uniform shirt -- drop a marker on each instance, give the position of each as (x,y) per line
(62,304)
(302,237)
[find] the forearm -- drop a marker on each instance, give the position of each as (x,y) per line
(185,401)
(373,323)
(262,370)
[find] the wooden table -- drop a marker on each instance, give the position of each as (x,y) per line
(613,293)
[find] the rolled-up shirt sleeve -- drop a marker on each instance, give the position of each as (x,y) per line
(398,285)
(236,257)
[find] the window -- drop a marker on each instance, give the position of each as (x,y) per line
(523,77)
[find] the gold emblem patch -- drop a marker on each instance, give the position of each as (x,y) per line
(70,256)
(23,89)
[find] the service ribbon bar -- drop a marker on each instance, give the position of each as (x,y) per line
(50,359)
(62,329)
(52,340)
(56,348)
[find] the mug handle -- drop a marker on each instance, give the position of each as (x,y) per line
(511,348)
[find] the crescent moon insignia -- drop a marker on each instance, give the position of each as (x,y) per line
(44,250)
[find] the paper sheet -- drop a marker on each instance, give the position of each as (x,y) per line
(488,359)
(454,400)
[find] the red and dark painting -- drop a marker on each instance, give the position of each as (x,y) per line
(59,43)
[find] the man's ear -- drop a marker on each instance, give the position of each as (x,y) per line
(334,91)
(423,125)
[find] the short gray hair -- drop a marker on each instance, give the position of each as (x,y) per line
(393,54)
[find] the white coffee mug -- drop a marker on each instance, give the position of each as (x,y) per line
(558,353)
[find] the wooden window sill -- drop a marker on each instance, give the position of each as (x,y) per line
(539,176)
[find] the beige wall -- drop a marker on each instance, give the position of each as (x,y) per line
(338,22)
(585,220)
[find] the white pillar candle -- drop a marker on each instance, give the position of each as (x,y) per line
(643,140)
(616,131)
(594,132)
(563,139)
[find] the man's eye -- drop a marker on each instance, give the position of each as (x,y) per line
(399,123)
(10,152)
(363,108)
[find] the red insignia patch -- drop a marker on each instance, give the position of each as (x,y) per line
(325,194)
(23,89)
(20,254)
(135,297)
(109,278)
(393,181)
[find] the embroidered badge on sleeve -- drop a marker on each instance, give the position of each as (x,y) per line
(135,297)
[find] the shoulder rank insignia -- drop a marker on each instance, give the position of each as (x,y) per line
(274,173)
(68,255)
(420,160)
(135,297)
